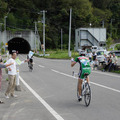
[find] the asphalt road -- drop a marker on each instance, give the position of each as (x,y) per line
(49,93)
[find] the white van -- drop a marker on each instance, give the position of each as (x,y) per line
(100,55)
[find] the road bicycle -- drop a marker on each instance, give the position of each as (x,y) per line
(30,65)
(86,90)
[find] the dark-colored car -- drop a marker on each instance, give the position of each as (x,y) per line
(117,52)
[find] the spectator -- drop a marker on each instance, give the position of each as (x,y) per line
(114,62)
(12,75)
(95,61)
(0,71)
(108,62)
(95,64)
(90,56)
(105,62)
(94,56)
(3,66)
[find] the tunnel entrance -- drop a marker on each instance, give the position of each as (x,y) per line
(20,45)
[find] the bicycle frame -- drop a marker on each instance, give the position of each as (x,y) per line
(83,86)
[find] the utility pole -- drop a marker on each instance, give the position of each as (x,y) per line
(5,23)
(44,30)
(111,28)
(103,23)
(61,39)
(35,35)
(69,52)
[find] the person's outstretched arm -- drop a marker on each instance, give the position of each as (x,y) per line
(9,64)
(73,62)
(6,65)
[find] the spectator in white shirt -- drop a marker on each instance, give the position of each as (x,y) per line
(12,75)
(90,56)
(114,62)
(3,66)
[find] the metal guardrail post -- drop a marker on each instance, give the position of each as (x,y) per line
(18,88)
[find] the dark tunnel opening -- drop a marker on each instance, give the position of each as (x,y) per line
(20,45)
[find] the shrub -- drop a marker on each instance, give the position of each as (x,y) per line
(117,46)
(3,51)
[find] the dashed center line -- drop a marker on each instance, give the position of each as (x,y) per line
(103,86)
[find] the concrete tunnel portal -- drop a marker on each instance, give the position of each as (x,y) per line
(19,44)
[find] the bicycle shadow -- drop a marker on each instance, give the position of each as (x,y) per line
(75,104)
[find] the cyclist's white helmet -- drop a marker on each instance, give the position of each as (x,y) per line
(82,53)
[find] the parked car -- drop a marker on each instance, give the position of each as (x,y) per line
(117,52)
(100,55)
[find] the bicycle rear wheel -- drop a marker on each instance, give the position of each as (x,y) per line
(87,95)
(30,67)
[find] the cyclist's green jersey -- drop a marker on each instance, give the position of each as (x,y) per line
(84,65)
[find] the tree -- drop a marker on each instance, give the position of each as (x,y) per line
(101,4)
(23,14)
(3,9)
(117,46)
(109,42)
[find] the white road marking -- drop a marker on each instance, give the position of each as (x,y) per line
(118,76)
(41,66)
(47,106)
(115,90)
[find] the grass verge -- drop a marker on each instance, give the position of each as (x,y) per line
(59,54)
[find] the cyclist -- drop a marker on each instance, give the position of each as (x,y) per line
(84,68)
(30,57)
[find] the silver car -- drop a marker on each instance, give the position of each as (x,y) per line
(100,55)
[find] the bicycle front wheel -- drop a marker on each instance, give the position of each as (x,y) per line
(87,95)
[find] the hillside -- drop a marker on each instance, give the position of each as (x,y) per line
(23,13)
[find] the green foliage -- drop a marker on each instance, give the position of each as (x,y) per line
(3,8)
(1,44)
(59,54)
(109,42)
(102,4)
(3,51)
(5,61)
(117,46)
(23,13)
(6,70)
